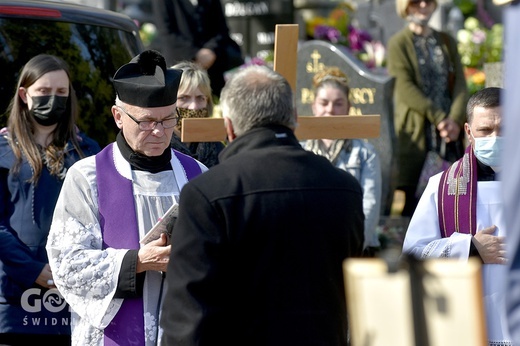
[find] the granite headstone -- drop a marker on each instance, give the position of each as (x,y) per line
(371,92)
(494,74)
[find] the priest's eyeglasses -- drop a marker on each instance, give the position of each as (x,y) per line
(148,125)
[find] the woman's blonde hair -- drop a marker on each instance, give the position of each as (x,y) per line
(331,77)
(193,76)
(401,6)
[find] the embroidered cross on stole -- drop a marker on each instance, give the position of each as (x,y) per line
(457,194)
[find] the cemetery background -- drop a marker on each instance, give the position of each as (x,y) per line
(352,35)
(363,29)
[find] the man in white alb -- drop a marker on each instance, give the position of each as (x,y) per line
(113,284)
(460,214)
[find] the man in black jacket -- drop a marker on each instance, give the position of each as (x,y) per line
(260,239)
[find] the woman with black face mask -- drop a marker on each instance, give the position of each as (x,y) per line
(39,144)
(430,96)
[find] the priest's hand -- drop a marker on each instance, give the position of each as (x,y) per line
(154,255)
(492,249)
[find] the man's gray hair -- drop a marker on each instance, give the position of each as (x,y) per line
(257,96)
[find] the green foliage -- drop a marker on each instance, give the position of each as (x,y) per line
(468,7)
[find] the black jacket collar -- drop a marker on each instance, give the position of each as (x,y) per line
(260,137)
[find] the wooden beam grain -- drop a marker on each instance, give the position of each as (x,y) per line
(309,127)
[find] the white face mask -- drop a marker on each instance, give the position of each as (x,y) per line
(488,150)
(419,21)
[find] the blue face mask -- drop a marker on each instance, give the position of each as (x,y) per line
(488,150)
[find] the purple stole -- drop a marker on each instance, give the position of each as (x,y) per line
(457,203)
(119,230)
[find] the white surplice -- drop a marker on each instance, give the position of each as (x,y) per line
(85,274)
(423,239)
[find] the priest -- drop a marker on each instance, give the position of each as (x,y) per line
(460,214)
(109,202)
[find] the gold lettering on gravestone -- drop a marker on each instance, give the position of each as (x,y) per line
(357,96)
(362,95)
(354,111)
(307,96)
(314,65)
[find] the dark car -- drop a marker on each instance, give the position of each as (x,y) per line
(139,10)
(94,42)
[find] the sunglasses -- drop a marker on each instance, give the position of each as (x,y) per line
(418,2)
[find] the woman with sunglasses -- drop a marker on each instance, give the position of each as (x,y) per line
(430,95)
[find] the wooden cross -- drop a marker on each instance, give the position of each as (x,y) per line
(309,127)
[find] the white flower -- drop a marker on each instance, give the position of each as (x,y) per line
(464,36)
(471,23)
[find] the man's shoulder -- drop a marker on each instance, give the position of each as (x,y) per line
(432,187)
(264,167)
(85,165)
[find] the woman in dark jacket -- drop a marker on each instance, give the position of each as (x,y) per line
(430,94)
(40,143)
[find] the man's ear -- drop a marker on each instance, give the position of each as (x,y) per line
(467,129)
(116,113)
(228,124)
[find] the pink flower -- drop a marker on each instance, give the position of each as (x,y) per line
(375,53)
(479,37)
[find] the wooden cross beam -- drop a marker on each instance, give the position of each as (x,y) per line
(309,127)
(286,52)
(335,127)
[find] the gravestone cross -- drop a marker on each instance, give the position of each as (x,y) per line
(309,127)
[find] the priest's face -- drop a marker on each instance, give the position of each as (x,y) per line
(147,130)
(486,122)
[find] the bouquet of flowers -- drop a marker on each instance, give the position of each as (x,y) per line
(333,28)
(371,52)
(340,28)
(478,45)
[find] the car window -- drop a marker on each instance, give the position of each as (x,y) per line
(93,53)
